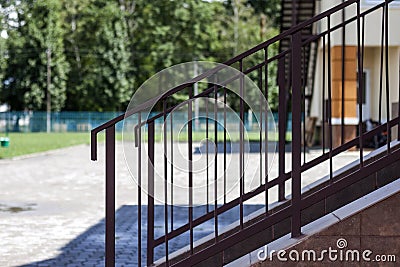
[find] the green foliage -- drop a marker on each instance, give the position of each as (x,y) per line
(248,28)
(3,52)
(164,33)
(3,60)
(271,8)
(38,32)
(97,45)
(103,50)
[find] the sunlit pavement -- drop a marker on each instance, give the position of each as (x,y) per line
(52,205)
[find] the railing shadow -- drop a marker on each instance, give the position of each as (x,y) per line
(87,249)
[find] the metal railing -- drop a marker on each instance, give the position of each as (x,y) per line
(291,84)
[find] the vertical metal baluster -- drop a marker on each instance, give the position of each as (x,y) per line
(330,100)
(241,126)
(323,93)
(207,175)
(266,129)
(150,198)
(381,66)
(398,107)
(296,138)
(303,101)
(110,196)
(343,73)
(388,129)
(190,135)
(360,85)
(260,123)
(216,163)
(172,171)
(139,144)
(93,140)
(165,182)
(282,127)
(362,79)
(225,145)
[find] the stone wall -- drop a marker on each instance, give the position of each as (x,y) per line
(376,228)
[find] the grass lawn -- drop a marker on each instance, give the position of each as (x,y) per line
(27,143)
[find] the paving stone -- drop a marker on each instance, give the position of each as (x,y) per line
(61,194)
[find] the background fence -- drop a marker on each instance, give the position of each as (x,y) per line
(66,121)
(74,121)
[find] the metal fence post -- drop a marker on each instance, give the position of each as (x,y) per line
(110,196)
(296,134)
(281,127)
(150,197)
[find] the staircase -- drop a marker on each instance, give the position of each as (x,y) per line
(290,210)
(293,13)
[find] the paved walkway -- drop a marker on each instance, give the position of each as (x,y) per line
(58,195)
(52,208)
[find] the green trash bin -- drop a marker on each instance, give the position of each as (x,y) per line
(5,141)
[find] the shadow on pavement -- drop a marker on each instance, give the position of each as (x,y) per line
(87,249)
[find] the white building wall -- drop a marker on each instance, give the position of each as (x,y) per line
(373,24)
(316,102)
(372,62)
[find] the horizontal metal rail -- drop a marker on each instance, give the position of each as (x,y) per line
(290,69)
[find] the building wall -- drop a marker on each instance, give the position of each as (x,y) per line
(350,82)
(373,23)
(371,63)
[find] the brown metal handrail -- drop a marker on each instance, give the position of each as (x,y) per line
(295,79)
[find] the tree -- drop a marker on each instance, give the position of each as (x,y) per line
(3,54)
(164,33)
(103,50)
(34,34)
(241,28)
(271,8)
(100,77)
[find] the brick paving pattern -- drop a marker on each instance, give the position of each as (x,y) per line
(52,209)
